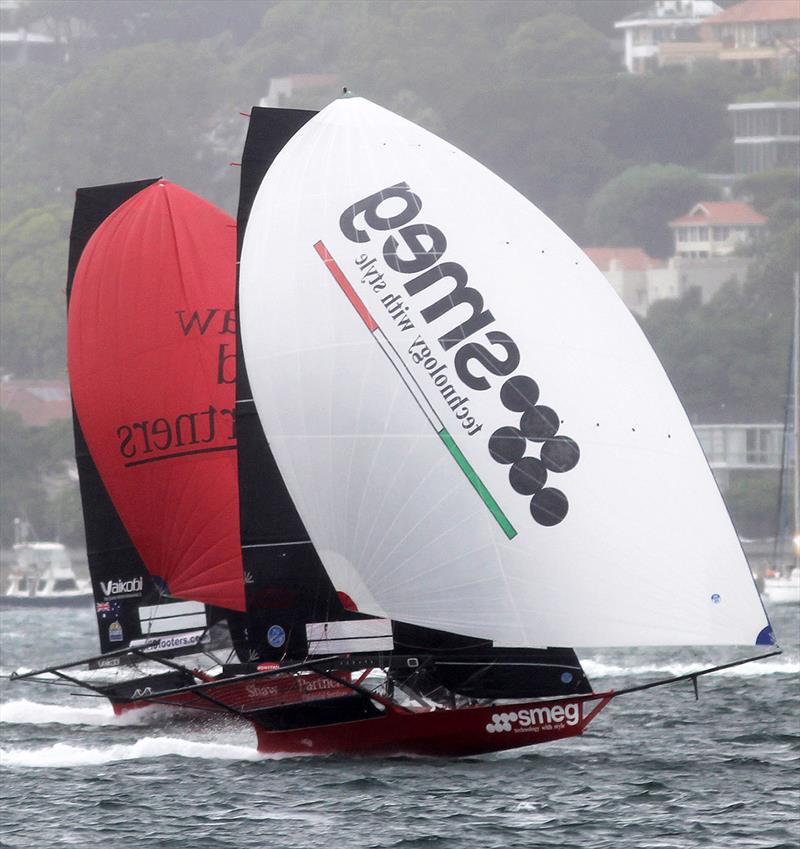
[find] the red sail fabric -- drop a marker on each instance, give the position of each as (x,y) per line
(151,355)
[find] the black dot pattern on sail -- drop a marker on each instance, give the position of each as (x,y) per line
(560,454)
(539,423)
(519,393)
(506,445)
(527,475)
(549,506)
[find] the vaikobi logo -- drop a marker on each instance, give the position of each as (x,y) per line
(415,253)
(124,587)
(534,719)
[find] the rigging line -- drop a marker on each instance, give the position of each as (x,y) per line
(694,675)
(414,389)
(277,544)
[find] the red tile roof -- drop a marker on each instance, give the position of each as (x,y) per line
(720,212)
(631,259)
(753,11)
(39,402)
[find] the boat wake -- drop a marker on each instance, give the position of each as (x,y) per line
(775,666)
(24,712)
(62,755)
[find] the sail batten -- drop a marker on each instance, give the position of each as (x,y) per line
(435,364)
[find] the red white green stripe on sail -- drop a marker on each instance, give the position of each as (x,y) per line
(413,387)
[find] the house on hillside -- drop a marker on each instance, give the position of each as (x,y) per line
(627,270)
(717,228)
(766,135)
(761,37)
(705,257)
(736,451)
(20,45)
(665,23)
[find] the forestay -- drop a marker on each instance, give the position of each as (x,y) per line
(475,432)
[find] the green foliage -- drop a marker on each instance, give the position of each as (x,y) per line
(635,207)
(675,116)
(32,484)
(529,87)
(786,89)
(32,279)
(133,114)
(557,45)
(728,359)
(752,502)
(552,156)
(124,23)
(768,188)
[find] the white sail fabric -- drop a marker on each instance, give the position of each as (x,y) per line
(473,428)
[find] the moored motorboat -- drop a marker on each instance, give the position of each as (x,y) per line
(42,575)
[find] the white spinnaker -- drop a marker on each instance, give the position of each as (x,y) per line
(645,555)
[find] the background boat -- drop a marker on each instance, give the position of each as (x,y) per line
(782,580)
(42,575)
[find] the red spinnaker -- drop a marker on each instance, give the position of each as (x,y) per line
(151,355)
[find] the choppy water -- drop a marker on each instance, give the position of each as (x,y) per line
(656,770)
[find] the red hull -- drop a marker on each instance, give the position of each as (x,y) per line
(262,694)
(443,732)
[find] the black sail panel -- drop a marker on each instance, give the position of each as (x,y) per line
(285,581)
(120,581)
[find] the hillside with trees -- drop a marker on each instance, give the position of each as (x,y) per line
(532,88)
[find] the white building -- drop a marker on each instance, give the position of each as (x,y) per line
(732,449)
(760,37)
(20,45)
(766,135)
(665,22)
(628,271)
(716,229)
(706,257)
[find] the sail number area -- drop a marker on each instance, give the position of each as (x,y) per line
(416,392)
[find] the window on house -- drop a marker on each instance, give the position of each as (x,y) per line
(702,234)
(758,445)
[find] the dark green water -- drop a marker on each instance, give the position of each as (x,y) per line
(656,770)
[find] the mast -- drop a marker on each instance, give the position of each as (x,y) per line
(796,422)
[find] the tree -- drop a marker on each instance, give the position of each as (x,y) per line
(767,188)
(557,45)
(543,142)
(140,112)
(33,270)
(634,208)
(727,359)
(87,24)
(675,116)
(752,502)
(33,484)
